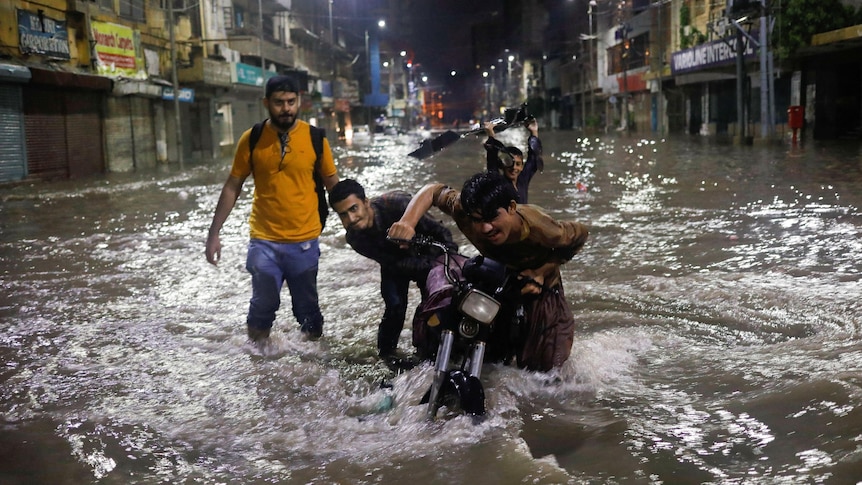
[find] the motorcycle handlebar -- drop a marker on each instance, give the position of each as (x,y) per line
(425,241)
(421,240)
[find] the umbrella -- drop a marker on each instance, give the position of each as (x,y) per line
(511,117)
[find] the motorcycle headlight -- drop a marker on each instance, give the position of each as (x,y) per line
(479,306)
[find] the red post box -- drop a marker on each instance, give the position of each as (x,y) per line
(795,115)
(795,118)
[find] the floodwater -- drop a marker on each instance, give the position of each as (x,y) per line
(717,305)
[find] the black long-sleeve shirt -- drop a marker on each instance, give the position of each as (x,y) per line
(412,262)
(532,162)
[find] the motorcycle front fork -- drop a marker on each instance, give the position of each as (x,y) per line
(476,359)
(441,367)
(444,353)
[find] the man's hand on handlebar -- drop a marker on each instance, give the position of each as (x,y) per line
(401,233)
(533,283)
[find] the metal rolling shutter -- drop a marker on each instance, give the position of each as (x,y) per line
(12,156)
(84,133)
(144,135)
(45,132)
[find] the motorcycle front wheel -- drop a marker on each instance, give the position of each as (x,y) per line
(455,389)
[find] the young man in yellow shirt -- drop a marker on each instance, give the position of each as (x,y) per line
(285,223)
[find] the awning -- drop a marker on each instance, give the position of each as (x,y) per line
(70,80)
(840,40)
(702,77)
(125,87)
(14,73)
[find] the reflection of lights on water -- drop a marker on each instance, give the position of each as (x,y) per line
(812,459)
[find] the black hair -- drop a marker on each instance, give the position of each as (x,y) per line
(280,83)
(486,192)
(515,151)
(345,189)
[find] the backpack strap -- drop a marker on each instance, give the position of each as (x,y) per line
(253,138)
(317,136)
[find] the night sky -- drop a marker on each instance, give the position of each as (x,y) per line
(442,43)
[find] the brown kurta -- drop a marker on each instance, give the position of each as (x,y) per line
(551,324)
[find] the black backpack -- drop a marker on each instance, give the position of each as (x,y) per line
(317,136)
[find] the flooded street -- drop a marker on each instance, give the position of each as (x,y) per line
(717,303)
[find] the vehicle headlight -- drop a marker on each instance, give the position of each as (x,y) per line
(479,306)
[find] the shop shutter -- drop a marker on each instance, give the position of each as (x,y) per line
(45,132)
(143,129)
(12,156)
(84,133)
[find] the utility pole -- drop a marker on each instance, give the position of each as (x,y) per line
(176,83)
(660,101)
(334,118)
(591,45)
(767,99)
(740,85)
(584,71)
(260,51)
(370,77)
(625,66)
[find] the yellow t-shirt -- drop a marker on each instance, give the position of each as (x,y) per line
(284,208)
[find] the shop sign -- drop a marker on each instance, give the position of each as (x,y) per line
(40,34)
(712,54)
(115,48)
(247,74)
(187,95)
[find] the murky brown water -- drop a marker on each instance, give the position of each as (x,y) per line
(717,303)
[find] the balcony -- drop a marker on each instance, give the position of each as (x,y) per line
(211,72)
(250,46)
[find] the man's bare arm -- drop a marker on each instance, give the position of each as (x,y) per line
(418,206)
(329,182)
(226,201)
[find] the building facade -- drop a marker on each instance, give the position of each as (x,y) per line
(89,86)
(714,68)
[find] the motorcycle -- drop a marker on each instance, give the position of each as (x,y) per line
(472,315)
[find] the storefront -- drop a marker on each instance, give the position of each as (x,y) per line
(63,114)
(13,154)
(130,126)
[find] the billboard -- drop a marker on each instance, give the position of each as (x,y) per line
(116,49)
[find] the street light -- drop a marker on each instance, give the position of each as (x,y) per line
(487,93)
(373,97)
(510,89)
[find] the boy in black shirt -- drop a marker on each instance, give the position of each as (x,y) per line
(366,221)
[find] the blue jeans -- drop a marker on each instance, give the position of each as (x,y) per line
(272,264)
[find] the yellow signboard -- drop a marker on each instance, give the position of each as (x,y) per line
(116,48)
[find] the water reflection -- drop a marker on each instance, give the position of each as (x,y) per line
(717,307)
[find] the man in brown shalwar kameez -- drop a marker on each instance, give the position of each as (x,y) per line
(523,238)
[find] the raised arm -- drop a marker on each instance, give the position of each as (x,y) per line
(405,228)
(534,146)
(492,149)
